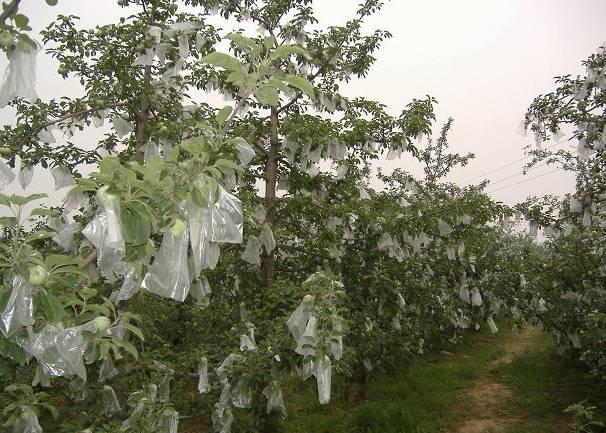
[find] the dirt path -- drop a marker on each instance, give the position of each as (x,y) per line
(482,403)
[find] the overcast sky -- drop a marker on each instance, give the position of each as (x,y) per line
(484,60)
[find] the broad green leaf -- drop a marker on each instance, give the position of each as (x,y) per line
(267,95)
(43,212)
(20,200)
(4,200)
(132,328)
(223,60)
(55,261)
(300,83)
(129,347)
(37,235)
(21,21)
(8,221)
(242,42)
(136,225)
(51,306)
(223,114)
(226,166)
(286,50)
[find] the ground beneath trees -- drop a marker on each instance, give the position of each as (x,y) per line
(484,404)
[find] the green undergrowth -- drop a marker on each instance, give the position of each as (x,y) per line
(544,384)
(413,398)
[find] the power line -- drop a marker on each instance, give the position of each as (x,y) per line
(523,181)
(509,164)
(516,174)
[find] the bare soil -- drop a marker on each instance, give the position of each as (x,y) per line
(482,404)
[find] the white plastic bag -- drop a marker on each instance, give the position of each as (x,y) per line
(492,325)
(245,152)
(130,285)
(62,177)
(444,228)
(105,233)
(18,311)
(65,237)
(297,321)
(275,399)
(111,405)
(203,384)
(476,297)
(6,174)
(241,395)
(266,239)
(27,422)
(323,379)
(307,343)
(226,218)
(576,206)
(26,173)
(251,252)
(20,76)
(122,126)
(107,370)
(169,276)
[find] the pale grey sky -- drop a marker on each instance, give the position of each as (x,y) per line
(484,60)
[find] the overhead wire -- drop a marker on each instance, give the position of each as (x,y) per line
(524,180)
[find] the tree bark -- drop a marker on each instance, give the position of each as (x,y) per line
(355,391)
(271,178)
(143,119)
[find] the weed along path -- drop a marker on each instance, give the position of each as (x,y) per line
(482,407)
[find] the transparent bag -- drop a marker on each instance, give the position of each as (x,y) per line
(223,420)
(200,291)
(130,285)
(111,405)
(226,220)
(6,175)
(122,126)
(169,276)
(105,233)
(203,383)
(307,343)
(18,311)
(62,177)
(266,239)
(251,252)
(575,205)
(241,395)
(476,297)
(464,294)
(492,325)
(20,76)
(107,370)
(26,173)
(275,399)
(198,234)
(247,343)
(27,422)
(323,379)
(245,152)
(444,228)
(65,237)
(297,322)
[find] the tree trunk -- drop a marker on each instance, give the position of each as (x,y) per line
(355,391)
(143,120)
(271,178)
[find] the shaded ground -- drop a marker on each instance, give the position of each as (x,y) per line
(485,402)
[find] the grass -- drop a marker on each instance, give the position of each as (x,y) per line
(544,384)
(415,398)
(424,394)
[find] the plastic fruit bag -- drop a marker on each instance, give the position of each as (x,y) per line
(20,76)
(251,252)
(222,420)
(266,239)
(245,152)
(444,228)
(307,343)
(111,405)
(200,291)
(297,321)
(203,384)
(198,234)
(26,172)
(107,370)
(323,379)
(6,174)
(62,177)
(105,233)
(476,297)
(18,311)
(27,422)
(492,325)
(65,237)
(226,218)
(275,399)
(241,395)
(169,276)
(130,285)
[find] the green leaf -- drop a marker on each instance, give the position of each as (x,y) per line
(6,39)
(40,234)
(4,200)
(136,225)
(8,221)
(286,50)
(198,197)
(20,200)
(132,328)
(300,83)
(21,21)
(223,114)
(51,306)
(223,60)
(267,95)
(11,350)
(243,42)
(42,212)
(129,347)
(226,166)
(55,261)
(52,2)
